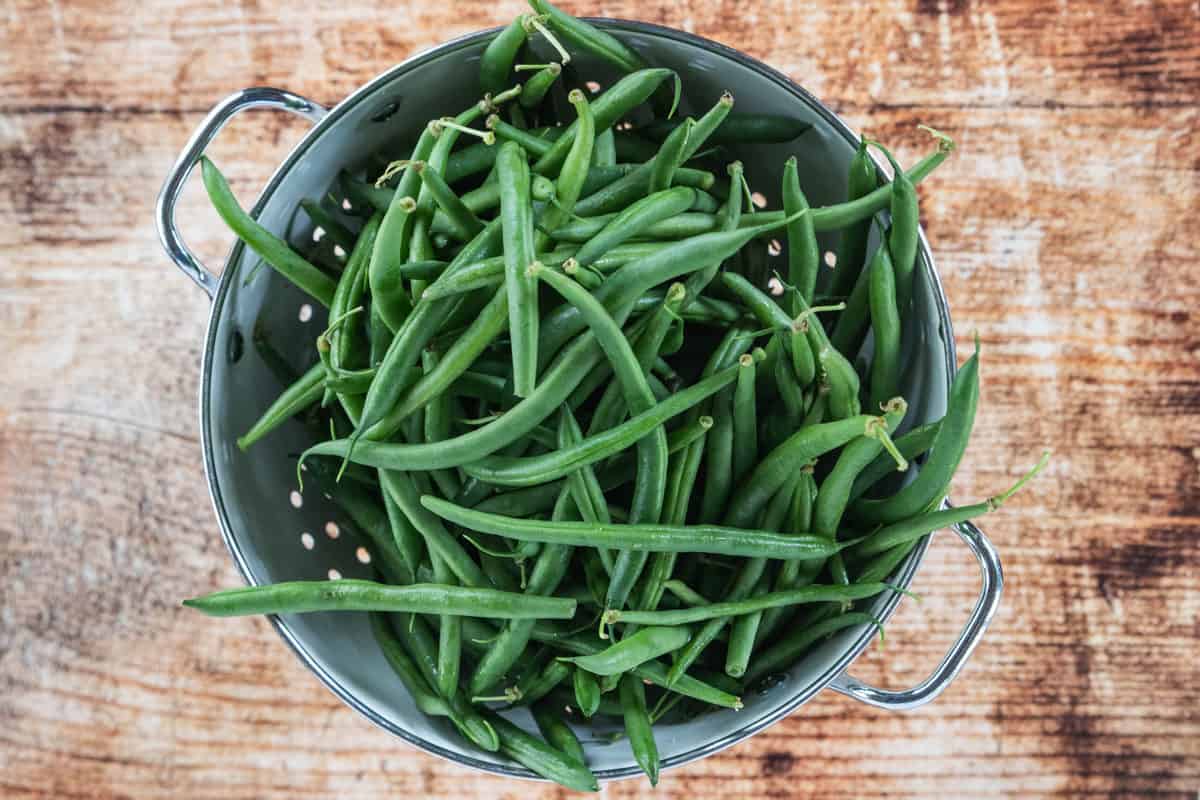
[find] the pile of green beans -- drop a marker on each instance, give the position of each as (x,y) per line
(605,463)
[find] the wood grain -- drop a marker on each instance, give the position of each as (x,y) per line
(1065,234)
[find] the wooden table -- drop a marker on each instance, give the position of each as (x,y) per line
(1066,236)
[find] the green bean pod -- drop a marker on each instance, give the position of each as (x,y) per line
(405,493)
(852,246)
(557,732)
(651,538)
(273,250)
(670,156)
(633,220)
(905,235)
(346,594)
(516,212)
(804,254)
(633,650)
(574,170)
(588,37)
(741,129)
(885,322)
(465,225)
(302,394)
(638,726)
(911,445)
(496,63)
(534,754)
(948,446)
(587,692)
(537,85)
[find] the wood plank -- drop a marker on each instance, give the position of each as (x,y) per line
(1057,229)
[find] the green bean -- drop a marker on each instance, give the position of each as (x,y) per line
(449,636)
(468,721)
(652,671)
(679,226)
(517,215)
(609,410)
(651,538)
(790,393)
(496,63)
(547,574)
(412,336)
(851,328)
(743,631)
(587,692)
(582,484)
(404,492)
(911,445)
(588,37)
(465,225)
(804,254)
(392,242)
(633,220)
(638,648)
(788,649)
(905,235)
(605,152)
(452,366)
(741,129)
(540,757)
(557,732)
(885,322)
(852,246)
(883,565)
(437,427)
(528,471)
(302,394)
(405,537)
(273,250)
(718,454)
(839,373)
(913,528)
(800,448)
(621,98)
(670,156)
(538,84)
(948,446)
(529,141)
(471,160)
(575,168)
(638,727)
(346,594)
(693,614)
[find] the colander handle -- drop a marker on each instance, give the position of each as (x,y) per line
(952,663)
(222,113)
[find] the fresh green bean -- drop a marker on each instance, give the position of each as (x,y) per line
(496,63)
(652,538)
(588,37)
(537,85)
(557,732)
(638,648)
(670,156)
(587,692)
(346,594)
(852,246)
(948,446)
(516,212)
(547,761)
(638,726)
(273,250)
(804,254)
(885,322)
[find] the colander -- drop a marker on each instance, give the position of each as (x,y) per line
(275,534)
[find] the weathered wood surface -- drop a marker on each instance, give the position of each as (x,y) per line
(1065,232)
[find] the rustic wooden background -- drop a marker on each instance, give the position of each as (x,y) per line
(1066,234)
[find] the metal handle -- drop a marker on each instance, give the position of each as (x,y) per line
(960,651)
(222,113)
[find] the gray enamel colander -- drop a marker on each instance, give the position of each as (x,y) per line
(274,534)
